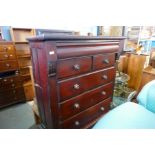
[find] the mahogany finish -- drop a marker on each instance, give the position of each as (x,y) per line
(103,60)
(74,66)
(82,102)
(68,89)
(73,78)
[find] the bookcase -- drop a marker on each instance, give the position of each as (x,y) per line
(19,36)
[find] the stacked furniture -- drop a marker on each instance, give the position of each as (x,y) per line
(73,78)
(19,36)
(11,89)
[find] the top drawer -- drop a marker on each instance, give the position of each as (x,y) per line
(7,48)
(74,66)
(103,60)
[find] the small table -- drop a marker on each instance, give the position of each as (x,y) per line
(121,91)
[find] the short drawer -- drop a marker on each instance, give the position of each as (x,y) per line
(74,66)
(82,119)
(8,65)
(7,48)
(103,60)
(7,56)
(73,87)
(82,102)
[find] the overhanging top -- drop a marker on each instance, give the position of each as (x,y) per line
(60,37)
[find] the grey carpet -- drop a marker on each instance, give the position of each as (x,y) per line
(19,116)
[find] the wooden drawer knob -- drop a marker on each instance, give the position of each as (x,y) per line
(11,80)
(76,86)
(7,65)
(105,77)
(76,67)
(5,80)
(102,109)
(106,61)
(5,48)
(13,85)
(6,56)
(103,93)
(76,105)
(77,123)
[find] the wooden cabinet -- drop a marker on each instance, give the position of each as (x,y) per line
(19,36)
(11,84)
(147,76)
(73,78)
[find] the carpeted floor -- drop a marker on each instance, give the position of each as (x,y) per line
(19,116)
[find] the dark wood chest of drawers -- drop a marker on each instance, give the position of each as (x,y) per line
(74,78)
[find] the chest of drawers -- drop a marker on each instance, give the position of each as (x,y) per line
(11,84)
(73,78)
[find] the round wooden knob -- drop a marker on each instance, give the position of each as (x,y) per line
(11,80)
(5,80)
(6,56)
(102,108)
(7,65)
(76,106)
(103,93)
(5,48)
(76,86)
(77,123)
(13,85)
(105,77)
(106,61)
(77,67)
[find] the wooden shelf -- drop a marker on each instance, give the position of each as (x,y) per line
(21,42)
(24,56)
(24,29)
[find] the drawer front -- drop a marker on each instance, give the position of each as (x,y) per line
(82,102)
(24,62)
(7,48)
(72,87)
(12,85)
(82,119)
(75,66)
(8,65)
(103,60)
(7,56)
(10,80)
(11,96)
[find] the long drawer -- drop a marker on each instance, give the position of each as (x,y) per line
(80,120)
(11,96)
(8,65)
(75,86)
(82,102)
(7,48)
(7,55)
(10,80)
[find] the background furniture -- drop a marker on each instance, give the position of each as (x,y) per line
(11,89)
(74,77)
(19,36)
(133,64)
(147,76)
